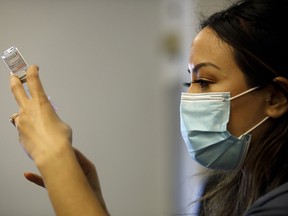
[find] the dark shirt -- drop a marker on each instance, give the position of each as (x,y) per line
(274,203)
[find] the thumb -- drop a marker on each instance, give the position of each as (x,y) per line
(36,179)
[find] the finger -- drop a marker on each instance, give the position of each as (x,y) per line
(18,90)
(85,164)
(36,179)
(34,83)
(13,118)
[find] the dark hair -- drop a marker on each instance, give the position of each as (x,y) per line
(256,31)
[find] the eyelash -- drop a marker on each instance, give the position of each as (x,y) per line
(187,84)
(202,83)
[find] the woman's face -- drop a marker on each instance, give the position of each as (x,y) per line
(213,69)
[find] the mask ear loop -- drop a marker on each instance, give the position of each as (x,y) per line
(259,123)
(245,92)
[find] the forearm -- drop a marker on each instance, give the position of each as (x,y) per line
(68,189)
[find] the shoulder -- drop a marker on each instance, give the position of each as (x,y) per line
(273,203)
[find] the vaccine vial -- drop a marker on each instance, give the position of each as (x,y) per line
(15,62)
(18,66)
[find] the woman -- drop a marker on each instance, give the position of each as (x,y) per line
(237,66)
(239,80)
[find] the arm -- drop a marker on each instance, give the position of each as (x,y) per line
(48,141)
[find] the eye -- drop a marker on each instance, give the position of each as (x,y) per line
(187,84)
(202,83)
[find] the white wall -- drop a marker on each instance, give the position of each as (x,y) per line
(99,62)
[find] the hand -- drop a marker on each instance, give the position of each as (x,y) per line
(41,131)
(48,141)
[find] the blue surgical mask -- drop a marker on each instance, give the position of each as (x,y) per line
(204,119)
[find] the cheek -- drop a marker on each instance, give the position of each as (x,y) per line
(245,114)
(236,123)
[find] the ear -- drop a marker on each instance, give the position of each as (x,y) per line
(277,105)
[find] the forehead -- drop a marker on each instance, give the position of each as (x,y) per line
(208,47)
(211,58)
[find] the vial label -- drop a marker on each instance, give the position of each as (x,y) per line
(15,61)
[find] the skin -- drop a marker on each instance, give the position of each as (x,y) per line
(211,62)
(69,177)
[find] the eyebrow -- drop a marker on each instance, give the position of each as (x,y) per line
(204,64)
